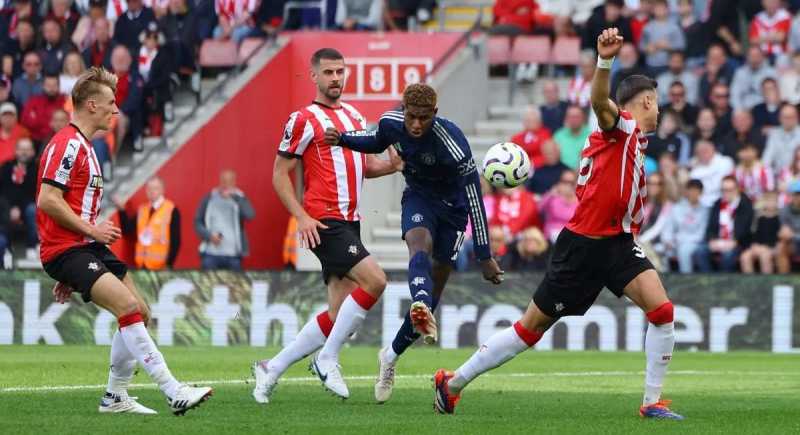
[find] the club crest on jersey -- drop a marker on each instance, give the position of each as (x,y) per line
(428,159)
(353,250)
(96,182)
(417,218)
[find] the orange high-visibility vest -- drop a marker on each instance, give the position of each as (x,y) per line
(152,236)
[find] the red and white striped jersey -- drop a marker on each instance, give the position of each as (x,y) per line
(234,10)
(754,181)
(611,181)
(333,176)
(763,24)
(69,163)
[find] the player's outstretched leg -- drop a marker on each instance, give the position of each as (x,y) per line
(500,348)
(116,398)
(110,293)
(308,341)
(351,315)
(648,293)
(420,283)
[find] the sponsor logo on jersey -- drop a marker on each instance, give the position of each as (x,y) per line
(466,168)
(96,182)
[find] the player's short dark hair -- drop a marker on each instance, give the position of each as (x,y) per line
(632,86)
(419,94)
(325,53)
(694,183)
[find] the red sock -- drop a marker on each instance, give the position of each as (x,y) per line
(325,323)
(529,337)
(363,299)
(130,319)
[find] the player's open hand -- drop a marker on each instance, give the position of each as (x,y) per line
(332,136)
(106,233)
(61,292)
(307,227)
(491,271)
(609,42)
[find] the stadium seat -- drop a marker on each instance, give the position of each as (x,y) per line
(248,47)
(566,51)
(215,53)
(531,49)
(499,50)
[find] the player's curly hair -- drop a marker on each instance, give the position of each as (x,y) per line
(89,84)
(419,94)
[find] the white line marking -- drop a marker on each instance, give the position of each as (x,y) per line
(311,379)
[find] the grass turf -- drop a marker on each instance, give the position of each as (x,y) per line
(564,392)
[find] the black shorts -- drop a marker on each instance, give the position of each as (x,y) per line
(340,247)
(580,267)
(80,267)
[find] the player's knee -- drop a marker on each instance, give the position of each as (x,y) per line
(662,315)
(377,282)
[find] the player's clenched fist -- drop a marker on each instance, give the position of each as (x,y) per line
(332,136)
(609,42)
(106,233)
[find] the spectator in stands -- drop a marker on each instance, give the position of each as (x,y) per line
(84,35)
(640,13)
(99,52)
(717,70)
(546,176)
(359,14)
(39,109)
(656,214)
(720,104)
(554,108)
(660,36)
(685,227)
(783,141)
(769,29)
(61,11)
(131,24)
(533,136)
(743,132)
(793,43)
(270,16)
(129,96)
(59,120)
(180,29)
(754,177)
(514,17)
(399,13)
(723,24)
(746,84)
(580,87)
(527,252)
(669,138)
(157,226)
(572,136)
(628,60)
(610,15)
(18,189)
(73,68)
(729,230)
(790,80)
(14,50)
(515,210)
(219,223)
(22,10)
(765,237)
(696,34)
(558,205)
(29,83)
(766,114)
(673,176)
(156,65)
(54,47)
(11,131)
(498,243)
(709,167)
(5,90)
(789,235)
(706,127)
(235,19)
(677,72)
(677,102)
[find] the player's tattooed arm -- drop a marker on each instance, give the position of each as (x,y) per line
(608,45)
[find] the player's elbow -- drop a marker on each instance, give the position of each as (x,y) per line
(46,202)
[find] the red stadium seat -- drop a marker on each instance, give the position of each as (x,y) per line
(248,47)
(531,49)
(566,51)
(499,50)
(215,53)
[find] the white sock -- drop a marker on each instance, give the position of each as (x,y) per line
(389,355)
(144,349)
(351,315)
(308,340)
(123,364)
(500,348)
(658,344)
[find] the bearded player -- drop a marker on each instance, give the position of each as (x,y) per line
(443,190)
(328,224)
(597,247)
(74,251)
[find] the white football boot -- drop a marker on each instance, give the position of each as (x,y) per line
(122,403)
(329,372)
(187,398)
(385,382)
(265,381)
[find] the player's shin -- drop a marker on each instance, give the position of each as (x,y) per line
(351,315)
(658,345)
(500,348)
(419,279)
(123,364)
(141,346)
(308,340)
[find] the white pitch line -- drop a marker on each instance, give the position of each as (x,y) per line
(309,379)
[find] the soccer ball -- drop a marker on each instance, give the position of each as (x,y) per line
(506,165)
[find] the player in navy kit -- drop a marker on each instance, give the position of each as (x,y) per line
(443,189)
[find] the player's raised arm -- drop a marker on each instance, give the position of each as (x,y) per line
(608,45)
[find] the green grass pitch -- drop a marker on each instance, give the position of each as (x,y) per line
(54,389)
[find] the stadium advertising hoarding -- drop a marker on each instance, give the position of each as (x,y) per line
(716,313)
